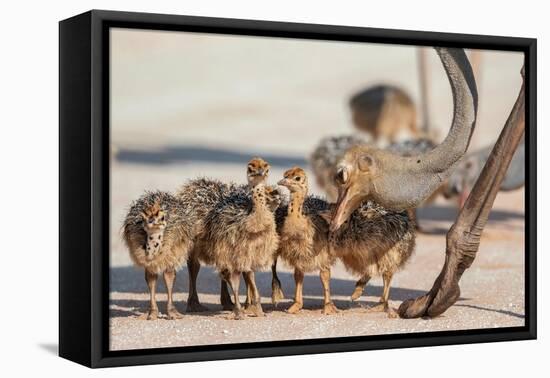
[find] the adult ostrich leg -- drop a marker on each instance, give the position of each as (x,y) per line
(464,236)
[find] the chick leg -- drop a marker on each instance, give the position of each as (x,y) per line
(225,297)
(360,287)
(329,308)
(249,291)
(384,306)
(233,279)
(276,289)
(298,299)
(151,279)
(193,304)
(255,306)
(169,280)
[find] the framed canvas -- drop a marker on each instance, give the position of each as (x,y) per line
(235,188)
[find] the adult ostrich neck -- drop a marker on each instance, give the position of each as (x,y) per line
(463,87)
(404,182)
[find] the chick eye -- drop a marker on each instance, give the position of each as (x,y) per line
(162,219)
(150,220)
(249,169)
(297,178)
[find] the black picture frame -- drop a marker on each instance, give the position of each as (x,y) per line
(84,187)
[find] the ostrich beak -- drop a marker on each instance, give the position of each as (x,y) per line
(346,204)
(283,182)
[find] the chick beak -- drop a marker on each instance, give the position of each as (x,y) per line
(283,182)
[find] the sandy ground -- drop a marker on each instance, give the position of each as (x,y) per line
(187,106)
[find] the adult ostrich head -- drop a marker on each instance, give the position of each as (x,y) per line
(395,182)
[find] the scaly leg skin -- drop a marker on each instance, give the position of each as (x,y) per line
(384,305)
(298,300)
(169,279)
(153,312)
(193,304)
(255,306)
(225,297)
(277,294)
(233,279)
(329,308)
(249,291)
(360,287)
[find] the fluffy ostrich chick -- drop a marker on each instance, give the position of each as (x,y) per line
(241,235)
(304,237)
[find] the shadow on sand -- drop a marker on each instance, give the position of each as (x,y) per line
(202,154)
(131,280)
(504,312)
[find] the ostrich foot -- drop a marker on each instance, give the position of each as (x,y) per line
(384,307)
(238,314)
(152,314)
(380,307)
(173,314)
(392,313)
(295,308)
(255,310)
(444,293)
(432,304)
(330,309)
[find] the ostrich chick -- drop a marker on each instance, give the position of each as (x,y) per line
(242,236)
(202,195)
(374,242)
(158,237)
(303,237)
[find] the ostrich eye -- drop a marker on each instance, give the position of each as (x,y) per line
(341,176)
(366,163)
